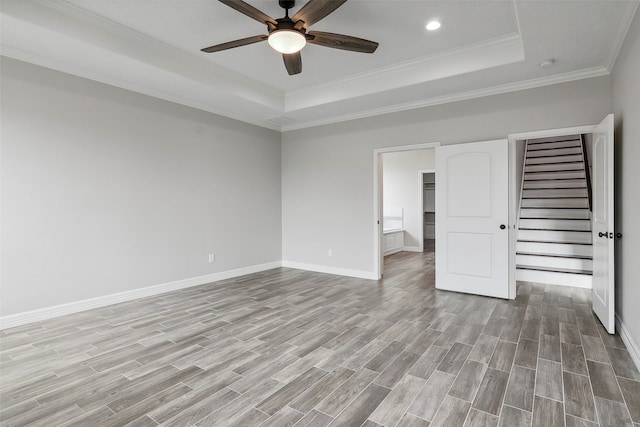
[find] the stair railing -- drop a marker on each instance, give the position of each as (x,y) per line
(587,168)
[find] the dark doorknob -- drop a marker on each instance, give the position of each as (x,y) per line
(502,226)
(618,235)
(601,234)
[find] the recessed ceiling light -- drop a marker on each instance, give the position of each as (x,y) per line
(433,25)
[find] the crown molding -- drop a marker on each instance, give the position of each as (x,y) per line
(463,96)
(621,34)
(474,57)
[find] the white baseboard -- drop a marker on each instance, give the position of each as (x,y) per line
(330,270)
(412,248)
(392,251)
(20,319)
(632,346)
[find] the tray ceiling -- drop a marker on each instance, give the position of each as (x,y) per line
(483,47)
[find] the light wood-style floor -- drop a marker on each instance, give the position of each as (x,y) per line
(286,347)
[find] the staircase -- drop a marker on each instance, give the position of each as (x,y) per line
(554,229)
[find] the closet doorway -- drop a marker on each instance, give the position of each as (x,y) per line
(428,182)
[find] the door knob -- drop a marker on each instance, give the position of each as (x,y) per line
(601,234)
(618,235)
(502,226)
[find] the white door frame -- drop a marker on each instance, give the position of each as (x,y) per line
(513,208)
(421,173)
(377,197)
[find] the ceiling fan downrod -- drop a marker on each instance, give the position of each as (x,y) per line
(286,5)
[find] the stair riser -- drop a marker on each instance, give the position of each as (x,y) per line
(563,144)
(555,203)
(555,236)
(555,167)
(552,192)
(554,248)
(544,160)
(566,183)
(541,213)
(555,262)
(563,279)
(553,153)
(556,224)
(537,176)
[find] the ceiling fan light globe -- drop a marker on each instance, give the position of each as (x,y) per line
(287,41)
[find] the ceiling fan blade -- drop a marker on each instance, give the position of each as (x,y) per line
(341,41)
(235,43)
(315,10)
(249,10)
(293,63)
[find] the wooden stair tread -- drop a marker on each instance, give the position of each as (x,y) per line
(554,229)
(555,255)
(555,242)
(577,141)
(554,270)
(555,197)
(550,163)
(554,207)
(551,219)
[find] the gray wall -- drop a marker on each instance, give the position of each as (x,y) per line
(626,107)
(106,191)
(327,171)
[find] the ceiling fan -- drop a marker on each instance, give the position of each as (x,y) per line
(289,35)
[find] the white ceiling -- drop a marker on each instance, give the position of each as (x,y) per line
(483,47)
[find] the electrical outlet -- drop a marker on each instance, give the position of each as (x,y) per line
(330,252)
(212,258)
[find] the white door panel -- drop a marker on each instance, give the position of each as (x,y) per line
(472,252)
(603,294)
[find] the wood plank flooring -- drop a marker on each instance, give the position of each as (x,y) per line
(292,348)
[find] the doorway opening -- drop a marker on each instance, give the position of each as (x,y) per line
(598,149)
(428,181)
(554,241)
(399,198)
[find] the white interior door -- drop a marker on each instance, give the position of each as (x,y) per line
(472,212)
(603,293)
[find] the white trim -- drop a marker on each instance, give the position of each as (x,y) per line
(391,252)
(412,248)
(377,220)
(621,34)
(24,318)
(632,346)
(446,99)
(513,215)
(360,274)
(486,54)
(548,133)
(412,147)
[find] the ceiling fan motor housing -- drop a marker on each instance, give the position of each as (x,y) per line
(287,4)
(286,24)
